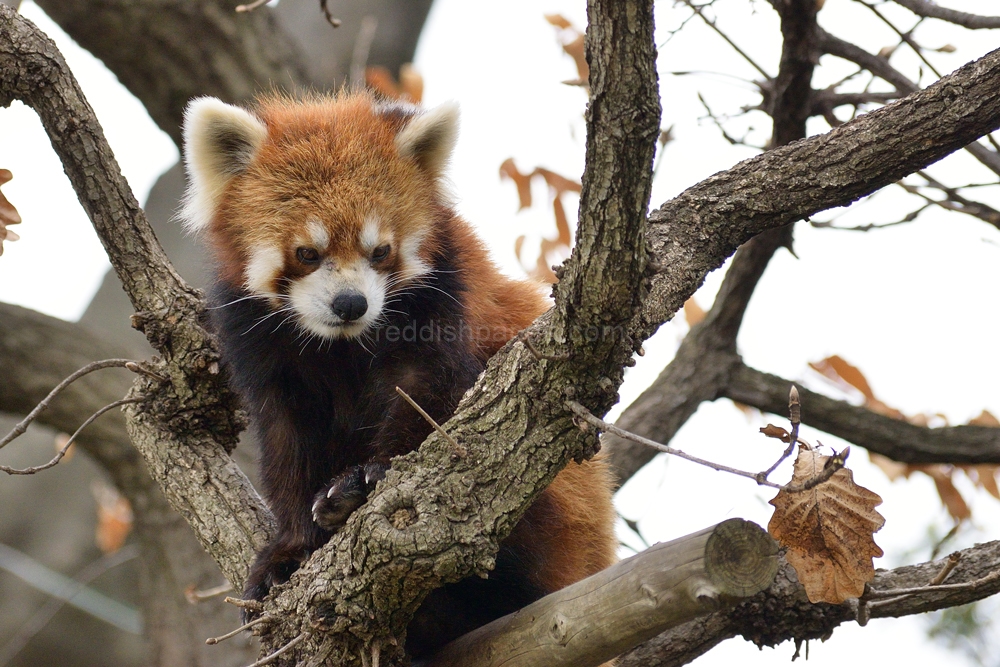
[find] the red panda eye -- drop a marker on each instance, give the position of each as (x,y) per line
(380,253)
(307,255)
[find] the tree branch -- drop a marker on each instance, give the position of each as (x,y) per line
(880,67)
(597,618)
(896,439)
(932,10)
(167,53)
(36,352)
(782,612)
(702,364)
(189,424)
(694,233)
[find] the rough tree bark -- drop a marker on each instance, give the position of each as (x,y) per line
(515,412)
(165,53)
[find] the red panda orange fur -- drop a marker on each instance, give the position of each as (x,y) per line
(335,159)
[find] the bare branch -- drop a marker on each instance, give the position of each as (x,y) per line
(898,440)
(782,613)
(881,67)
(711,24)
(69,442)
(781,186)
(22,425)
(460,451)
(606,427)
(595,619)
(932,10)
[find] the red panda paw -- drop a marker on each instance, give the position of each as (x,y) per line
(344,494)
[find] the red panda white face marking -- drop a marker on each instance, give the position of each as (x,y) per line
(326,300)
(324,208)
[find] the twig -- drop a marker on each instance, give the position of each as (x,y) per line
(932,10)
(362,46)
(252,605)
(584,414)
(711,24)
(459,449)
(211,641)
(195,596)
(949,565)
(140,368)
(718,123)
(22,426)
(909,217)
(249,7)
(329,17)
(62,452)
(901,592)
(795,417)
(905,36)
(270,658)
(44,614)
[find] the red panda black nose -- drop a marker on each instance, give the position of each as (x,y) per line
(349,306)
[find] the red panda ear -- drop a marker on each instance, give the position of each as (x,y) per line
(220,141)
(430,138)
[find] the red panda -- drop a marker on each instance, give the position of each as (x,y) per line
(342,272)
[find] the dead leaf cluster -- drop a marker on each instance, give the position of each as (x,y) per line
(551,250)
(849,378)
(571,39)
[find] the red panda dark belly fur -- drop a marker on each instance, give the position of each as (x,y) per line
(326,409)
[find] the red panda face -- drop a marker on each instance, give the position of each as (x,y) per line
(323,208)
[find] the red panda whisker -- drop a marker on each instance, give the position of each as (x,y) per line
(244,298)
(286,309)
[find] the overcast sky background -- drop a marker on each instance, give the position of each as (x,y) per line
(913,306)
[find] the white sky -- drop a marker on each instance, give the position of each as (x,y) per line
(914,306)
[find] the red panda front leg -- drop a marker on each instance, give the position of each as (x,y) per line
(401,429)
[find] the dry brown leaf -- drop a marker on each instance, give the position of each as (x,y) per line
(523,182)
(693,313)
(574,49)
(892,469)
(557,182)
(985,418)
(836,368)
(949,493)
(411,83)
(519,246)
(828,531)
(773,431)
(985,477)
(379,79)
(8,214)
(114,518)
(558,20)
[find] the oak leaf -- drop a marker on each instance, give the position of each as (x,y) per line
(827,530)
(837,369)
(772,431)
(523,182)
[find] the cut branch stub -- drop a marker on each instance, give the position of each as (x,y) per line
(594,620)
